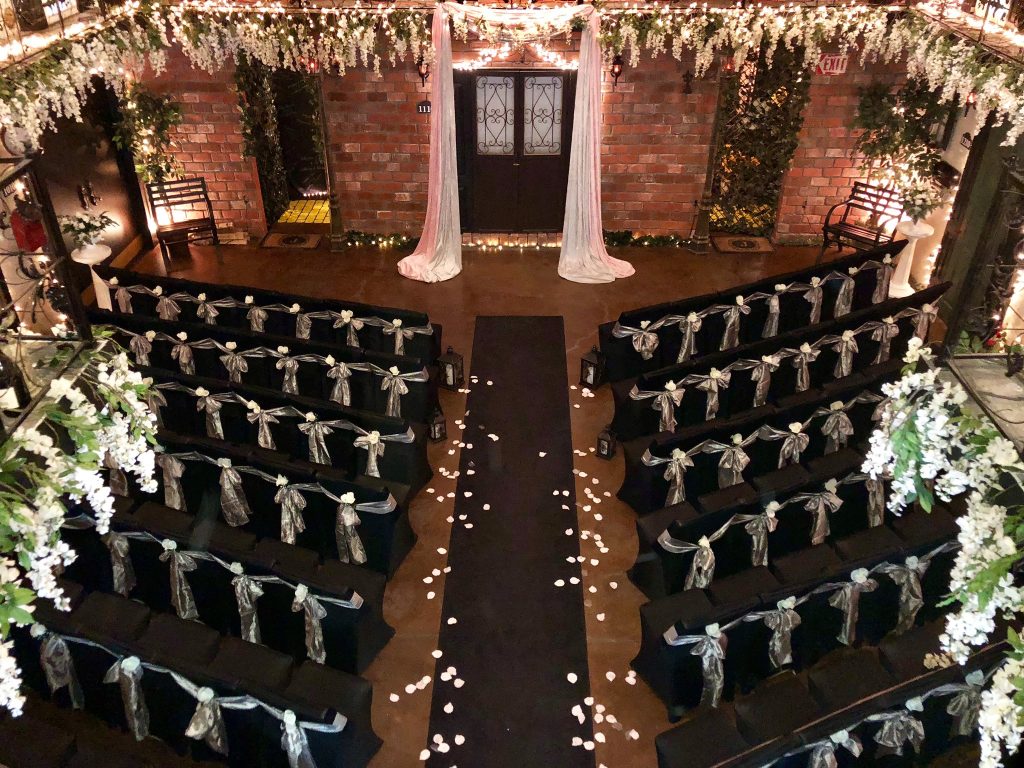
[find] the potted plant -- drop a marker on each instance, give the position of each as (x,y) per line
(86,230)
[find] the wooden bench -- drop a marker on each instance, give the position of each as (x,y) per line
(184,197)
(867,218)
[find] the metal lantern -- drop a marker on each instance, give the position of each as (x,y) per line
(606,443)
(438,426)
(450,364)
(592,368)
(616,70)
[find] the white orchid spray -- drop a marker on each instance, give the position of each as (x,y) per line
(930,445)
(99,421)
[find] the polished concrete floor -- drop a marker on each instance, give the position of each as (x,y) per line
(507,282)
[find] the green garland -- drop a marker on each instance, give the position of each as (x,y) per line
(624,238)
(760,113)
(144,129)
(260,134)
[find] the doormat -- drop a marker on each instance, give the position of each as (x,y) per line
(742,244)
(284,240)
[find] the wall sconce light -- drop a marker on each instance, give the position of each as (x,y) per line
(688,82)
(970,103)
(616,70)
(423,70)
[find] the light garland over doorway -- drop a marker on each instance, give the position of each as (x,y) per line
(487,56)
(56,82)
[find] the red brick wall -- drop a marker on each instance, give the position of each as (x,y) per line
(210,141)
(655,149)
(656,145)
(824,165)
(380,148)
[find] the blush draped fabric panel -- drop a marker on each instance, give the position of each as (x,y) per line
(438,256)
(584,258)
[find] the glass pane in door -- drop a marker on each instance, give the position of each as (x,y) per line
(542,115)
(495,115)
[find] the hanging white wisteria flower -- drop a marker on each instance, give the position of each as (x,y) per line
(930,445)
(98,421)
(57,82)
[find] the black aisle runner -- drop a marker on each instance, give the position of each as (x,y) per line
(517,635)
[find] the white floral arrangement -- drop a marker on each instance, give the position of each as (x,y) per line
(86,228)
(920,196)
(103,414)
(931,446)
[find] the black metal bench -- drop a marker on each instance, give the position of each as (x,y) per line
(184,197)
(868,218)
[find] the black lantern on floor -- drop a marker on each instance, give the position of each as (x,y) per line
(606,443)
(450,364)
(438,425)
(592,368)
(616,70)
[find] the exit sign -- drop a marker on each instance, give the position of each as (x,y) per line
(830,64)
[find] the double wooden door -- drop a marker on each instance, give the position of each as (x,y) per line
(515,128)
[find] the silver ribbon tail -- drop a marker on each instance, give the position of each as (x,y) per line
(731,465)
(140,347)
(837,429)
(350,546)
(395,387)
(120,562)
(235,365)
(124,299)
(315,432)
(207,313)
(341,392)
(712,654)
(965,708)
(844,299)
(210,406)
(303,325)
(900,730)
(689,328)
(207,725)
(847,599)
(292,503)
(59,668)
(781,622)
(167,309)
(182,599)
(263,420)
(876,501)
(374,450)
(172,469)
(182,352)
(771,323)
(702,568)
(883,276)
(759,528)
(247,592)
(313,613)
(290,366)
(127,673)
(884,334)
(233,504)
(257,317)
(295,744)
